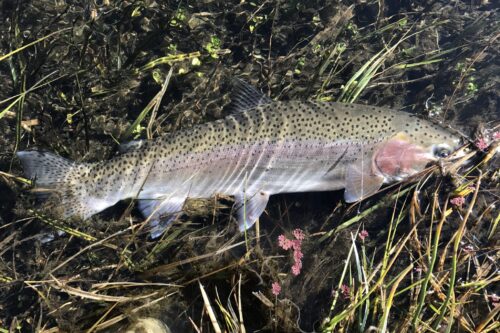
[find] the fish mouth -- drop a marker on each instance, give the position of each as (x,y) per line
(462,157)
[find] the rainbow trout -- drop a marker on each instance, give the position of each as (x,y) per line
(264,148)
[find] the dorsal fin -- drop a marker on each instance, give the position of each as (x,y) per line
(245,97)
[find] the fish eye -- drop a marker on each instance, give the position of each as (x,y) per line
(442,152)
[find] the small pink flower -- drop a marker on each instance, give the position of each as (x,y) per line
(281,240)
(481,144)
(345,291)
(418,269)
(298,234)
(284,243)
(457,201)
(276,288)
(298,255)
(296,268)
(496,135)
(363,234)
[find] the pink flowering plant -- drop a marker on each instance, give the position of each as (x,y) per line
(457,201)
(276,288)
(482,143)
(363,234)
(296,246)
(345,291)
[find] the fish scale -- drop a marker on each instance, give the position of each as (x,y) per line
(265,147)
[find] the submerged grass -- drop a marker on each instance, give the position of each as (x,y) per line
(371,68)
(152,107)
(365,301)
(430,303)
(412,262)
(39,40)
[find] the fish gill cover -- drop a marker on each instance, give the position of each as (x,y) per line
(81,78)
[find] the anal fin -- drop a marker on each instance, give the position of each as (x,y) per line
(160,212)
(250,207)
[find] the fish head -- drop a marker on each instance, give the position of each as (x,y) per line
(411,150)
(437,140)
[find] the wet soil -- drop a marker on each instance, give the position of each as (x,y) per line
(89,81)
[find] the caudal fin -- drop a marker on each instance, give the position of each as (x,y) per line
(45,169)
(60,182)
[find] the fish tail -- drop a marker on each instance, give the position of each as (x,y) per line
(60,183)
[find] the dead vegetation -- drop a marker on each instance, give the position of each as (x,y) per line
(78,80)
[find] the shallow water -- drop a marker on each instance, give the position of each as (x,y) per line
(290,50)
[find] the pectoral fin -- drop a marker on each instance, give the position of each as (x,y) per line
(361,182)
(161,212)
(250,207)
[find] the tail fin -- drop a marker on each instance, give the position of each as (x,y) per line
(61,182)
(45,169)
